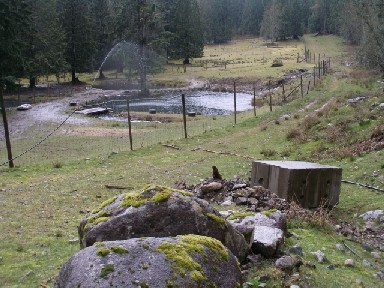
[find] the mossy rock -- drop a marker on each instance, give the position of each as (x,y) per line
(158,211)
(182,261)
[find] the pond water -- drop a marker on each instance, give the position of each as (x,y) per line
(201,102)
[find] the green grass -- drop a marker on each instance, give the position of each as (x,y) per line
(42,204)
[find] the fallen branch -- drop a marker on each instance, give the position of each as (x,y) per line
(171,146)
(363,185)
(223,153)
(118,187)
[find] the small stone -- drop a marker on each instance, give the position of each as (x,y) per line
(374,215)
(226,203)
(369,225)
(73,241)
(331,267)
(380,274)
(296,249)
(366,247)
(310,265)
(294,286)
(211,187)
(1,259)
(241,201)
(239,186)
(226,214)
(254,258)
(349,263)
(284,262)
(253,201)
(340,247)
(319,256)
(376,255)
(337,227)
(366,263)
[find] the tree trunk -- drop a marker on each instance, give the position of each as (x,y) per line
(143,72)
(6,130)
(74,79)
(101,74)
(32,82)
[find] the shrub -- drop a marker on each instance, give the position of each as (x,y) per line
(277,63)
(294,134)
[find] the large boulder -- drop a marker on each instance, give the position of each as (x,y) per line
(272,218)
(182,261)
(158,211)
(264,231)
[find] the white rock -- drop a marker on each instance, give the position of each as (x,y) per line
(349,263)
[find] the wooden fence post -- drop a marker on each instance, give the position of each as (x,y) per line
(6,129)
(314,76)
(254,100)
(184,116)
(129,126)
(309,84)
(234,100)
(270,95)
(301,85)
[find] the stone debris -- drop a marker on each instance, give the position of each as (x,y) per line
(285,262)
(349,263)
(296,250)
(266,240)
(320,256)
(372,215)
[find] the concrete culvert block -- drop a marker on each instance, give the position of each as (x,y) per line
(308,184)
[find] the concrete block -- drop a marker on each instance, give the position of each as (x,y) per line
(308,184)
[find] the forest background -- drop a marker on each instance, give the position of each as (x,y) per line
(52,37)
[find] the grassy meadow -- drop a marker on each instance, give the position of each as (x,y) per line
(43,201)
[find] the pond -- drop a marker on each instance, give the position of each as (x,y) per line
(201,102)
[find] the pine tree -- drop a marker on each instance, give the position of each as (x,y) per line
(185,26)
(80,48)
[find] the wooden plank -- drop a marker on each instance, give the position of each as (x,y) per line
(93,111)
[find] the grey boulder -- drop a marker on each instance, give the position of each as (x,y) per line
(158,211)
(182,261)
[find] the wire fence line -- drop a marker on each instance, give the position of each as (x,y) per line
(64,141)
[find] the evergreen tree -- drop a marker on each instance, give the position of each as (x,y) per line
(45,42)
(219,21)
(271,25)
(101,27)
(187,40)
(14,17)
(252,16)
(80,48)
(371,52)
